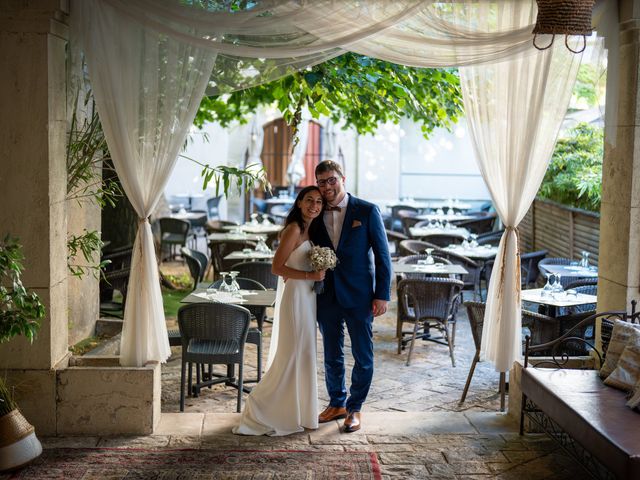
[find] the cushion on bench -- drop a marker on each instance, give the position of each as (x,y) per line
(590,412)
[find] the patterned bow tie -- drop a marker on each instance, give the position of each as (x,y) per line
(329,208)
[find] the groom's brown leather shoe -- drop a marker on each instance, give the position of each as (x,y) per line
(332,413)
(352,423)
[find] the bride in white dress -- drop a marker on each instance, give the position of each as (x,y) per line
(285,401)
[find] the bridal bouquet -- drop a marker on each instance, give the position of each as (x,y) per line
(322,258)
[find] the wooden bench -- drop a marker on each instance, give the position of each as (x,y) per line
(588,418)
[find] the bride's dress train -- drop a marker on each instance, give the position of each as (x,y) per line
(285,401)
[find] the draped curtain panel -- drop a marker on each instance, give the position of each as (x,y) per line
(150,62)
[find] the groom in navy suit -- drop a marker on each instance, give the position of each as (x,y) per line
(357,290)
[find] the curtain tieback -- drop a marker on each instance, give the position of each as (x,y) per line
(503,261)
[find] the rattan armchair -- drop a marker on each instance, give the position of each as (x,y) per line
(197,263)
(414,247)
(430,303)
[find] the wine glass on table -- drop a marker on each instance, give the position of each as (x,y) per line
(224,286)
(429,260)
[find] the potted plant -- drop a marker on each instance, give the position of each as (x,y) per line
(20,314)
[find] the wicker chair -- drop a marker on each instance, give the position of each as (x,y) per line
(197,263)
(539,327)
(472,279)
(115,277)
(394,238)
(396,223)
(430,303)
(219,249)
(258,271)
(212,334)
(407,219)
(529,267)
(413,260)
(216,226)
(441,239)
(478,225)
(414,247)
(582,282)
(173,232)
(491,238)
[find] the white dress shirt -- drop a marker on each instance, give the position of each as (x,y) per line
(333,220)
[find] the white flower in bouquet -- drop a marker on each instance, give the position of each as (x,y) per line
(322,258)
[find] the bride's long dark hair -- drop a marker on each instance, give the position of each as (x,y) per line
(295,214)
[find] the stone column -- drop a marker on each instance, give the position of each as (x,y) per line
(33,38)
(619,262)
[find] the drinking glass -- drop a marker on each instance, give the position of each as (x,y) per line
(584,261)
(261,246)
(234,287)
(429,260)
(557,286)
(474,240)
(547,290)
(254,219)
(224,286)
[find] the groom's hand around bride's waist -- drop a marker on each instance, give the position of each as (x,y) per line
(379,307)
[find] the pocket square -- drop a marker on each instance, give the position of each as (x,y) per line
(356,223)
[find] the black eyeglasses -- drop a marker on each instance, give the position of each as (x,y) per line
(330,181)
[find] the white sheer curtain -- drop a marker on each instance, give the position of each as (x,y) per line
(149,62)
(514,109)
(147,91)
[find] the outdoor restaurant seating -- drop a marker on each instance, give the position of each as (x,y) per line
(428,303)
(540,329)
(115,277)
(219,249)
(414,247)
(396,223)
(407,219)
(490,238)
(212,334)
(197,263)
(213,208)
(482,224)
(581,282)
(217,226)
(173,232)
(258,271)
(441,239)
(474,269)
(414,259)
(394,239)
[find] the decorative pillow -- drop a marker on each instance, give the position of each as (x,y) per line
(627,373)
(623,334)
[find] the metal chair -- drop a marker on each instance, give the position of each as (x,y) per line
(431,303)
(258,271)
(213,205)
(490,238)
(173,232)
(407,220)
(212,334)
(216,226)
(197,263)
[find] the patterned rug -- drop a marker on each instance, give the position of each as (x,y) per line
(138,464)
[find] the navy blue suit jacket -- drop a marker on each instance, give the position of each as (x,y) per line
(364,269)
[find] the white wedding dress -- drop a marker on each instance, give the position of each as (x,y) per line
(285,401)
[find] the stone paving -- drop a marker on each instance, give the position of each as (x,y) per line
(412,419)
